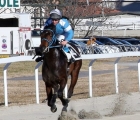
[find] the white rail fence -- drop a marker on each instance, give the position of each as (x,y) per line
(92,57)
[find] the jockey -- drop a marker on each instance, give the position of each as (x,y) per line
(63,31)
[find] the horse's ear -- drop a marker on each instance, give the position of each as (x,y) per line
(94,39)
(51,26)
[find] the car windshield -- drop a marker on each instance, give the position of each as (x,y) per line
(35,33)
(125,42)
(99,43)
(119,42)
(133,42)
(114,41)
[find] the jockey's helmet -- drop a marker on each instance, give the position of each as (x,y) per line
(55,14)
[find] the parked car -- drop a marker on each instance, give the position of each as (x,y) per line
(130,47)
(81,46)
(96,48)
(133,41)
(35,35)
(110,41)
(106,48)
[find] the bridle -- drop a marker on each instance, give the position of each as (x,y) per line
(50,42)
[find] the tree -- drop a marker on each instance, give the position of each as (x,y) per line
(75,10)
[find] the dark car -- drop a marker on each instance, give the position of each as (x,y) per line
(110,41)
(133,41)
(35,33)
(107,41)
(129,46)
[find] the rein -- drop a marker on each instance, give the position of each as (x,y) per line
(50,42)
(49,47)
(53,38)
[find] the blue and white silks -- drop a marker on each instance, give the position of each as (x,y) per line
(62,28)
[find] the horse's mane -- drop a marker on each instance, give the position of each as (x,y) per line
(51,26)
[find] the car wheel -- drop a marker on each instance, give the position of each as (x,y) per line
(27,44)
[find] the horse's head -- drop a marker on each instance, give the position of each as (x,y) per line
(91,41)
(47,39)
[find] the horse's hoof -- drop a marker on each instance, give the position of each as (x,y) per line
(54,109)
(69,99)
(64,113)
(64,109)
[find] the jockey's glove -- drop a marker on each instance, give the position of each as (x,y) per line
(61,41)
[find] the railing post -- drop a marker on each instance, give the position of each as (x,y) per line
(5,83)
(66,91)
(116,75)
(90,77)
(36,82)
(139,73)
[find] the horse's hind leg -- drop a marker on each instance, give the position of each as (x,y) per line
(74,77)
(51,98)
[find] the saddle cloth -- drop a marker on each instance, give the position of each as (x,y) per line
(75,54)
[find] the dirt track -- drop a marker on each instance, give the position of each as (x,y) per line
(111,107)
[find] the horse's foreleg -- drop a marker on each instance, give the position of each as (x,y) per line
(51,98)
(49,94)
(60,95)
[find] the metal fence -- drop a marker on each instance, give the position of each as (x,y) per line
(104,49)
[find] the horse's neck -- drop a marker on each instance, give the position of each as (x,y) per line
(55,57)
(54,53)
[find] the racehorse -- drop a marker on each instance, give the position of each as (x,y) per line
(55,70)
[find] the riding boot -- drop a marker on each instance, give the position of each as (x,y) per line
(39,59)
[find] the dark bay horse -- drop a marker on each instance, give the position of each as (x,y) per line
(54,69)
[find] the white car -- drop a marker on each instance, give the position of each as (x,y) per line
(35,35)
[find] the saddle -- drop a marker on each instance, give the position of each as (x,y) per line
(73,54)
